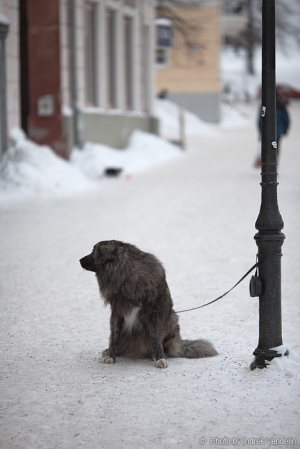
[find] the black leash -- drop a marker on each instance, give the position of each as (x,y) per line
(256,265)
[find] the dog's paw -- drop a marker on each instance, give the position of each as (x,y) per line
(106,359)
(161,363)
(105,352)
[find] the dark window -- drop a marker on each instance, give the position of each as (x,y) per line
(91,53)
(161,56)
(128,63)
(111,57)
(146,69)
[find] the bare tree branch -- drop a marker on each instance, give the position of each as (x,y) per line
(287,24)
(188,32)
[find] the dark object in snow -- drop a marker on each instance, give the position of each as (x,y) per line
(112,171)
(143,323)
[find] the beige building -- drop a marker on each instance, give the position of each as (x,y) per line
(189,69)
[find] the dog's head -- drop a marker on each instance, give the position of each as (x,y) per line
(103,252)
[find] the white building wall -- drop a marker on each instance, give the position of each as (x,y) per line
(10,9)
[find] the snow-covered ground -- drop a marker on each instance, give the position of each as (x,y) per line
(195,210)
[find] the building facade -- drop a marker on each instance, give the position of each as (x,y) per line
(189,69)
(9,13)
(76,65)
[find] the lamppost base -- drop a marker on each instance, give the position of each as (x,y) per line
(262,358)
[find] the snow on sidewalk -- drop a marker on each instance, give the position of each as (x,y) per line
(28,170)
(196,213)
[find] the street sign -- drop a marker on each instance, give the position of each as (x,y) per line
(45,106)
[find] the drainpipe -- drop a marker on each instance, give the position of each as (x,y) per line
(4,26)
(77,117)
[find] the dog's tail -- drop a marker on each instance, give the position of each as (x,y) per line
(195,349)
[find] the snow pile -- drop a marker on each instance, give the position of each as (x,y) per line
(143,151)
(285,368)
(28,169)
(169,116)
(288,365)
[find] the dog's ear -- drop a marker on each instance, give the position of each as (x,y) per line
(88,263)
(112,246)
(106,252)
(107,248)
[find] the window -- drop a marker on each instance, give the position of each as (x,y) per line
(128,63)
(146,64)
(161,58)
(111,57)
(90,53)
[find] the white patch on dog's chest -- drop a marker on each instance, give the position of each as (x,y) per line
(131,320)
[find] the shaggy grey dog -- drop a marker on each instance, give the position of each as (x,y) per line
(143,323)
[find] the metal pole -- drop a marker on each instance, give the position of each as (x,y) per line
(269,223)
(4,27)
(78,141)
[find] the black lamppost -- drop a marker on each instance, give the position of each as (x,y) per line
(269,224)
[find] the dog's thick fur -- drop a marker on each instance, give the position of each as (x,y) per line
(127,275)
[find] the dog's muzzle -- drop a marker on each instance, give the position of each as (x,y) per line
(88,263)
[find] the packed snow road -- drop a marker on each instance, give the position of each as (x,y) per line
(196,213)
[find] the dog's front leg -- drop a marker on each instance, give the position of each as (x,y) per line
(157,344)
(110,354)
